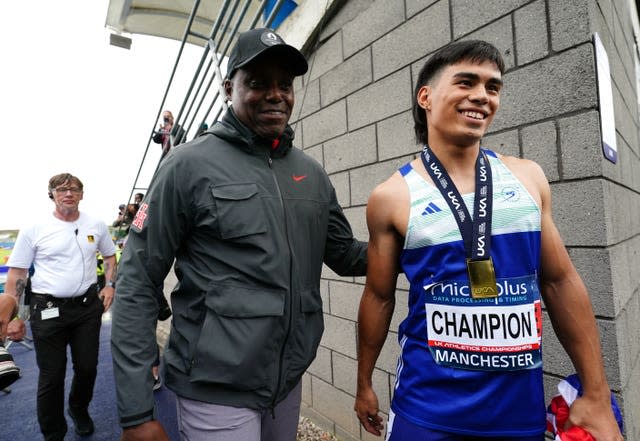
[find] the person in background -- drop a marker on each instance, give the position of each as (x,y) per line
(120,218)
(249,220)
(168,134)
(65,307)
(163,135)
(473,232)
(130,213)
(137,198)
(100,271)
(123,222)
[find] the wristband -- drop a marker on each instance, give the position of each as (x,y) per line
(111,284)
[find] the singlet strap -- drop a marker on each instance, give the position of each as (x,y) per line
(405,169)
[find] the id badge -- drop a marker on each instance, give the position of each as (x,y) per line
(49,313)
(482,278)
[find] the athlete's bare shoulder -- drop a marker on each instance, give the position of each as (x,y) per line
(389,204)
(391,193)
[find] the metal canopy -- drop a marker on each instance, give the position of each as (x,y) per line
(212,24)
(169,18)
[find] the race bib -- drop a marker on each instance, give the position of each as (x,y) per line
(490,334)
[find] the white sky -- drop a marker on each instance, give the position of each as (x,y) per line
(70,102)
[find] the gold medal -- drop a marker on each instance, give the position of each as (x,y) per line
(482,278)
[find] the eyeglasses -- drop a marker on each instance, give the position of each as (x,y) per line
(63,190)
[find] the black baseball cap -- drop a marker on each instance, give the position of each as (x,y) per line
(262,42)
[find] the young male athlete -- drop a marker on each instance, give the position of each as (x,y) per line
(473,232)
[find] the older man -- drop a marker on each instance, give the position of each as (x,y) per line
(249,220)
(66,307)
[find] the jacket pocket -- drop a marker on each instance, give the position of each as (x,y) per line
(240,339)
(239,210)
(308,332)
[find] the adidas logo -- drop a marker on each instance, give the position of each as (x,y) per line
(431,209)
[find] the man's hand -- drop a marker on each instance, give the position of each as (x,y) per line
(16,330)
(106,296)
(149,431)
(366,408)
(596,417)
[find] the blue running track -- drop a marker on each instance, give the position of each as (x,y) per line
(19,417)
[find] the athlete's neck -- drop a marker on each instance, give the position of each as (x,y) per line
(456,159)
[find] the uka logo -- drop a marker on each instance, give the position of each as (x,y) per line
(483,172)
(481,248)
(436,170)
(454,200)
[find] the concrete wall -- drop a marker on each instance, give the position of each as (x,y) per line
(353,116)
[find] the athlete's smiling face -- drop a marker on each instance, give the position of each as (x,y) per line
(461,101)
(262,96)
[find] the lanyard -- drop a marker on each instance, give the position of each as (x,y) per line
(476,233)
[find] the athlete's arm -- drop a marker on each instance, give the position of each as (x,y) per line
(567,302)
(378,298)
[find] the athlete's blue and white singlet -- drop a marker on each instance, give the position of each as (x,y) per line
(471,366)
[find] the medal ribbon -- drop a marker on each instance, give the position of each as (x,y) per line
(476,232)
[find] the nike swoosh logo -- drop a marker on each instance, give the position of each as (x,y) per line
(298,178)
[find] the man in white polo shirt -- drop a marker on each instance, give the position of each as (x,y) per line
(66,308)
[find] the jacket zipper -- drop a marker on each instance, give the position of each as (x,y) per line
(288,333)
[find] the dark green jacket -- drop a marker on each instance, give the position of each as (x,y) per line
(249,228)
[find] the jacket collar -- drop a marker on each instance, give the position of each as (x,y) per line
(231,129)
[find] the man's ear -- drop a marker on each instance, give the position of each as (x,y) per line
(424,97)
(228,88)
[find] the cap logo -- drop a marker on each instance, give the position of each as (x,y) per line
(270,38)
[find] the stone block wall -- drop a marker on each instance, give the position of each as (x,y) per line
(353,115)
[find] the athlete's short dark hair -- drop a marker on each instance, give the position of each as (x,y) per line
(476,51)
